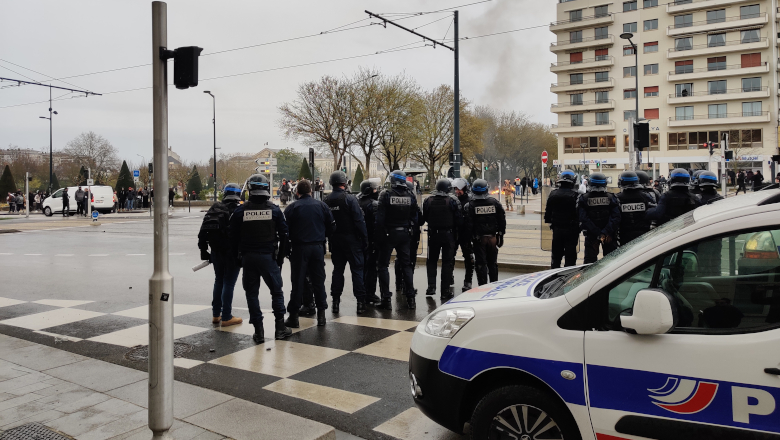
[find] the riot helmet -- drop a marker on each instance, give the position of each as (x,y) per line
(368,187)
(644,178)
(679,177)
(259,186)
(337,178)
(708,178)
(398,179)
(410,186)
(461,184)
(443,186)
(567,178)
(231,192)
(597,182)
(480,189)
(628,179)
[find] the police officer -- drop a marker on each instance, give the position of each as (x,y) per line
(695,182)
(634,203)
(443,214)
(213,233)
(414,245)
(644,182)
(310,222)
(396,214)
(708,182)
(599,214)
(256,229)
(675,202)
(561,214)
(486,225)
(369,193)
(347,243)
(463,194)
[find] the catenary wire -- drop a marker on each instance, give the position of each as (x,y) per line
(39,73)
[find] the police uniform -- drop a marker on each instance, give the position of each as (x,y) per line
(310,222)
(708,181)
(599,215)
(486,221)
(466,246)
(675,202)
(347,245)
(634,204)
(709,195)
(561,213)
(443,214)
(414,246)
(368,204)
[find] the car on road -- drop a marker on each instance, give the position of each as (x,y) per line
(102,199)
(674,335)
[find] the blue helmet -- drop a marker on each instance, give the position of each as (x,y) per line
(628,179)
(258,185)
(398,178)
(597,182)
(679,177)
(567,176)
(708,178)
(231,192)
(480,188)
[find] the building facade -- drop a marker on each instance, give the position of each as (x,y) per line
(706,68)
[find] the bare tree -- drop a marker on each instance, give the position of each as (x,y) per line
(93,151)
(434,130)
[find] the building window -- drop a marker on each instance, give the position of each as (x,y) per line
(602,97)
(751,84)
(651,69)
(601,11)
(716,40)
(629,6)
(749,36)
(683,90)
(651,47)
(751,108)
(717,111)
(683,21)
(716,63)
(651,92)
(602,33)
(716,87)
(629,27)
(575,15)
(576,99)
(575,37)
(602,54)
(651,25)
(717,16)
(628,114)
(650,4)
(683,43)
(602,77)
(654,141)
(602,118)
(683,113)
(576,119)
(629,93)
(629,71)
(575,78)
(750,11)
(683,67)
(628,50)
(592,144)
(575,57)
(651,113)
(751,60)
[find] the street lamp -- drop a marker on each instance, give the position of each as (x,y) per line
(214,121)
(51,158)
(632,160)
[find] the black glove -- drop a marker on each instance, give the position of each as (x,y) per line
(204,255)
(239,260)
(500,239)
(280,261)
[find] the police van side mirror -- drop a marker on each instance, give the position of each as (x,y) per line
(654,313)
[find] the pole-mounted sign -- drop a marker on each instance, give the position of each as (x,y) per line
(544,157)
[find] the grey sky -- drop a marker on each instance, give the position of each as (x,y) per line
(62,39)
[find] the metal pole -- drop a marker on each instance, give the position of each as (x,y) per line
(724,146)
(27,194)
(214,106)
(483,171)
(161,283)
(631,140)
(89,191)
(51,155)
(456,143)
(500,183)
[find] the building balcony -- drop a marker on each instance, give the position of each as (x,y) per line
(680,6)
(701,27)
(582,43)
(591,63)
(588,84)
(724,119)
(725,95)
(583,128)
(586,106)
(707,73)
(704,49)
(582,23)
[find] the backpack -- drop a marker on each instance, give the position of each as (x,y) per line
(215,225)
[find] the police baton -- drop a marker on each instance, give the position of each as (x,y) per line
(200,266)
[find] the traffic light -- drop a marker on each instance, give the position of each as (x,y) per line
(151,167)
(344,170)
(641,135)
(729,155)
(486,167)
(185,65)
(776,158)
(711,146)
(311,156)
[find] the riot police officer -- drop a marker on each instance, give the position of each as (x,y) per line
(347,243)
(214,233)
(310,222)
(395,216)
(369,193)
(675,202)
(561,214)
(486,225)
(708,182)
(414,246)
(694,186)
(644,182)
(443,214)
(634,203)
(463,194)
(599,214)
(256,230)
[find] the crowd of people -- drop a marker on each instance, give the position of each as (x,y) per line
(17,202)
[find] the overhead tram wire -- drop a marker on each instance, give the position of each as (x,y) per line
(39,73)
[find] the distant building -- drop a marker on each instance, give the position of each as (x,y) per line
(173,158)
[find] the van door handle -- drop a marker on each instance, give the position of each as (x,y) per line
(775,371)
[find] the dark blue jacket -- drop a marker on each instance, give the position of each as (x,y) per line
(309,220)
(355,213)
(234,231)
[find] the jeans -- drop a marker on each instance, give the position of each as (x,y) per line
(262,265)
(517,190)
(129,204)
(307,260)
(347,249)
(225,276)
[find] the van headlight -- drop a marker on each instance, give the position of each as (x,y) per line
(446,323)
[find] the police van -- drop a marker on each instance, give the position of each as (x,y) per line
(675,335)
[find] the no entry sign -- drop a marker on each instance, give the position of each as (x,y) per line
(544,157)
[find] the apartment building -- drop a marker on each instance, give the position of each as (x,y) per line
(706,67)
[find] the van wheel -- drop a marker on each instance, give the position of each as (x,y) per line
(522,412)
(47,211)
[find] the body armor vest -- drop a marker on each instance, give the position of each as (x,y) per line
(258,225)
(597,207)
(563,202)
(485,216)
(341,212)
(439,215)
(709,197)
(633,209)
(399,207)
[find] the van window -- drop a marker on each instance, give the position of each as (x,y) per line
(58,194)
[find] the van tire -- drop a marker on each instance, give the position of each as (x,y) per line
(47,211)
(502,399)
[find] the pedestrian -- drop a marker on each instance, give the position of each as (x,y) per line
(214,235)
(733,177)
(367,199)
(741,182)
(758,180)
(20,203)
(347,243)
(38,201)
(171,196)
(463,194)
(79,201)
(675,202)
(509,195)
(634,202)
(311,223)
(87,201)
(444,216)
(523,186)
(121,196)
(11,199)
(193,196)
(536,185)
(517,185)
(115,200)
(396,214)
(661,184)
(129,199)
(599,215)
(708,181)
(145,195)
(317,189)
(486,225)
(65,202)
(256,230)
(583,187)
(414,247)
(561,214)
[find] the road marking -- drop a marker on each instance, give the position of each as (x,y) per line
(64,255)
(135,255)
(33,255)
(98,255)
(5,253)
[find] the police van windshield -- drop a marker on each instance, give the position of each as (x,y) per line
(615,258)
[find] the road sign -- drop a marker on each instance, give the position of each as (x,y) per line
(136,173)
(266,161)
(90,182)
(556,162)
(544,157)
(94,216)
(266,169)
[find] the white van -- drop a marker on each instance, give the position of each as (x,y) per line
(102,200)
(674,336)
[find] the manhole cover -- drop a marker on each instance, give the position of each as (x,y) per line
(141,352)
(32,431)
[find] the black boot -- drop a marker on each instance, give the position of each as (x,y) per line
(335,307)
(292,321)
(259,336)
(361,307)
(447,294)
(386,304)
(282,332)
(307,310)
(373,300)
(320,317)
(466,286)
(411,303)
(431,291)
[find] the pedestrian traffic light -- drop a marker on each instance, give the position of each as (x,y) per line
(641,135)
(711,146)
(729,155)
(486,167)
(311,156)
(185,65)
(151,167)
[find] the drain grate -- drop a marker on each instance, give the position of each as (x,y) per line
(32,431)
(141,352)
